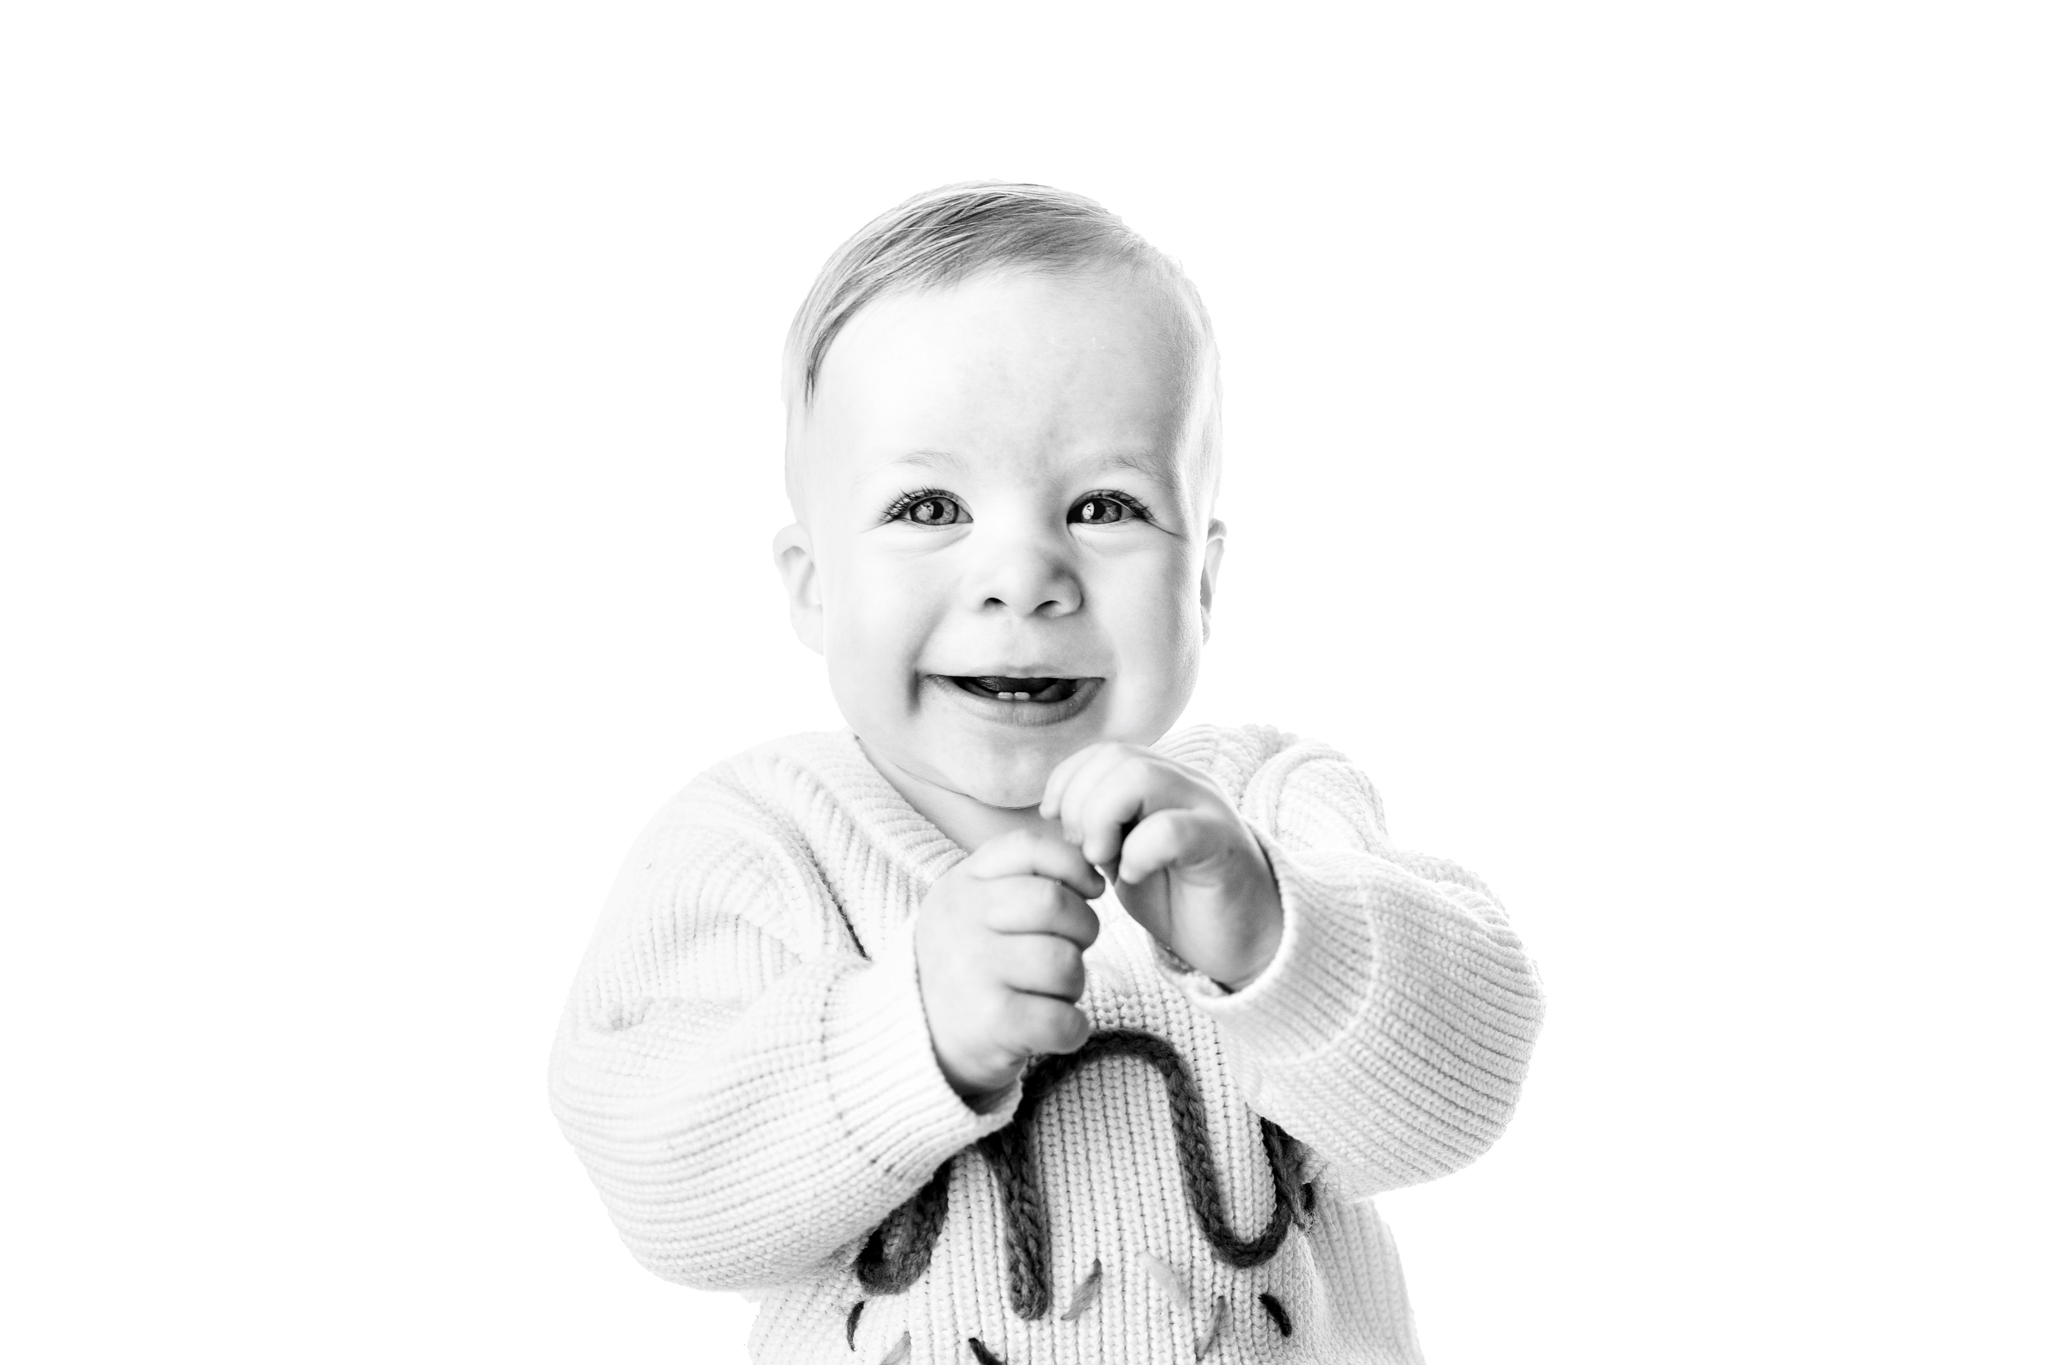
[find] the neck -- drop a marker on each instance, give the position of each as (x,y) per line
(966,821)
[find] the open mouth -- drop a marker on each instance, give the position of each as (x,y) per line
(1044,691)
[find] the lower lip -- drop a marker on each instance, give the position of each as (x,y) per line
(1022,714)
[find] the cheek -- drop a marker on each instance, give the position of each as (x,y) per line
(1153,610)
(877,616)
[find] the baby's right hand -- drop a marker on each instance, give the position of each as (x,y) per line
(999,942)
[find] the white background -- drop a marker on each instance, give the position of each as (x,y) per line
(1635,425)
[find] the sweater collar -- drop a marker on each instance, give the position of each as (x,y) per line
(921,849)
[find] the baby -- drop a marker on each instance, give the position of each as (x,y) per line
(1005,1026)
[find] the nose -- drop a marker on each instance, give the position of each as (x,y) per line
(1029,571)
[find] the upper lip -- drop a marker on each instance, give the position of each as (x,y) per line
(1033,670)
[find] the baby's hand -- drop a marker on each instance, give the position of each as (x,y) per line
(1186,865)
(999,942)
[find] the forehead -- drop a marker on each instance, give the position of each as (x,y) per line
(1013,366)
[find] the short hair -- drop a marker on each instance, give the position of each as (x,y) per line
(952,233)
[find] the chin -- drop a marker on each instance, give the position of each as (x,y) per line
(1010,780)
(1009,791)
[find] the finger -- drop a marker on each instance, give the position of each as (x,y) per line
(1171,838)
(1056,785)
(1041,964)
(1038,1023)
(1122,796)
(1034,905)
(1024,853)
(1087,780)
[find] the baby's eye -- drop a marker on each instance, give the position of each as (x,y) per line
(1100,509)
(928,509)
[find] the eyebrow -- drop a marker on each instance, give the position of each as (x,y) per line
(1141,463)
(929,459)
(1144,463)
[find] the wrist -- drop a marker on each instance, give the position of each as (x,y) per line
(977,1089)
(1269,921)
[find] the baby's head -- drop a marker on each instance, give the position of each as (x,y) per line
(1002,456)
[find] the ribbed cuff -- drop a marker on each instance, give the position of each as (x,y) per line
(1314,990)
(892,1100)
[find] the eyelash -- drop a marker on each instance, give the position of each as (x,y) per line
(1136,505)
(900,509)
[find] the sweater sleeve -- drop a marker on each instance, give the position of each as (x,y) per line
(748,1090)
(1393,1028)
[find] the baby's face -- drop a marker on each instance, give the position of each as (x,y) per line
(1006,551)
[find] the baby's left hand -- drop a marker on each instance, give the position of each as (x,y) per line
(1185,863)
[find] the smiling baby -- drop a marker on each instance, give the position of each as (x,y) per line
(1005,1025)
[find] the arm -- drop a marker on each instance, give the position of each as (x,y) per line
(748,1092)
(1374,1004)
(1393,1027)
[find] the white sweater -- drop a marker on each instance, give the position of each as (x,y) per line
(744,1067)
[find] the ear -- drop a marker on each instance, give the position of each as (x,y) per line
(1212,564)
(799,571)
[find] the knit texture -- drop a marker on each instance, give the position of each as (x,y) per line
(745,1070)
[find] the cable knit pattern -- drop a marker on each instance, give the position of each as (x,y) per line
(745,1070)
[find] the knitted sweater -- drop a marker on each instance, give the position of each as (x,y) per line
(745,1069)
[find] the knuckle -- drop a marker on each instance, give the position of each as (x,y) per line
(1064,1029)
(995,1020)
(1010,895)
(1027,1019)
(1078,1029)
(1015,1020)
(995,850)
(1055,967)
